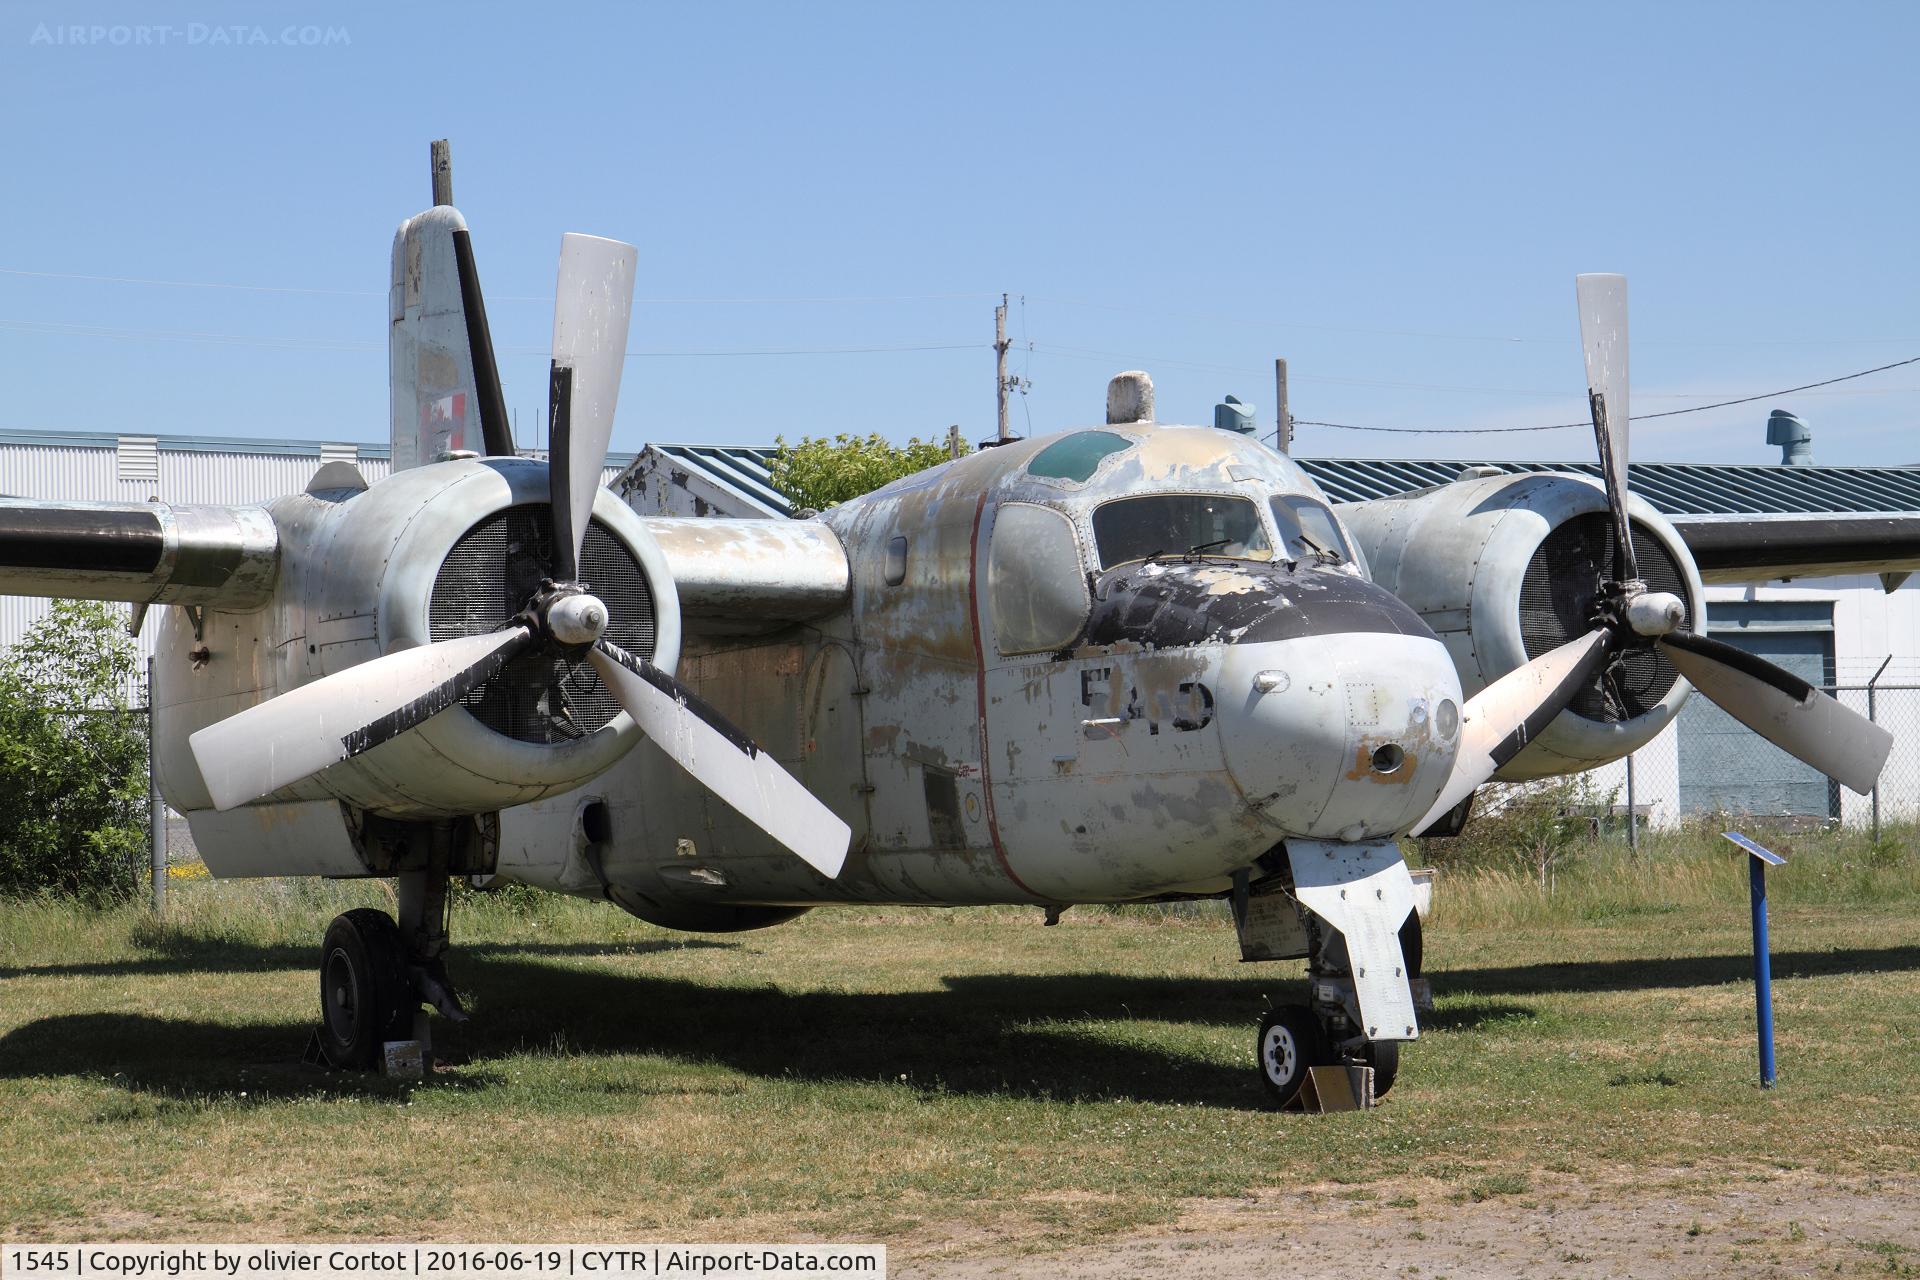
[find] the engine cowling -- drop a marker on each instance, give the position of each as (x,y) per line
(429,554)
(1503,568)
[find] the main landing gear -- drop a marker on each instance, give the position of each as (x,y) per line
(376,973)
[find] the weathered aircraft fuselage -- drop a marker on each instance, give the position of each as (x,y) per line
(1022,701)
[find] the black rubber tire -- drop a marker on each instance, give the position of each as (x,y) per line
(1384,1057)
(1412,944)
(1291,1040)
(365,997)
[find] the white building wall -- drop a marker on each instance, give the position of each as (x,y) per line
(211,472)
(88,471)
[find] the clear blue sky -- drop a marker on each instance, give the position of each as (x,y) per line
(1395,197)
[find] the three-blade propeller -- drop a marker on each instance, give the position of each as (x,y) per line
(1774,703)
(288,738)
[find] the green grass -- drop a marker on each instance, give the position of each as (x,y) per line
(921,1077)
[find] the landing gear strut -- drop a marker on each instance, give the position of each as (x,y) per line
(1329,978)
(1273,924)
(376,974)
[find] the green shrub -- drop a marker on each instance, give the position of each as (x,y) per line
(819,473)
(1531,827)
(73,759)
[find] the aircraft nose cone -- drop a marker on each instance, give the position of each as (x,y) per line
(1345,735)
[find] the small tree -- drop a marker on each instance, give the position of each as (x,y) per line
(73,758)
(818,473)
(1533,827)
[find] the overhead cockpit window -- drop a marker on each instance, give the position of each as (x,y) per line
(1308,529)
(1034,580)
(1077,456)
(1162,525)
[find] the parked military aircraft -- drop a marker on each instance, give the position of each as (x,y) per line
(1126,663)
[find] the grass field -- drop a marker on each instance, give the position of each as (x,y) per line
(941,1081)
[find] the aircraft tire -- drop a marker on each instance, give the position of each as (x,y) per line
(1291,1040)
(1384,1057)
(365,996)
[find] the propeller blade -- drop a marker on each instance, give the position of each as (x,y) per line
(724,760)
(1783,709)
(1603,333)
(590,312)
(1506,715)
(297,734)
(486,372)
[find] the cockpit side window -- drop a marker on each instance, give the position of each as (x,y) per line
(1158,525)
(1308,529)
(1035,582)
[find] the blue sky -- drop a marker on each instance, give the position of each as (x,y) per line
(1395,197)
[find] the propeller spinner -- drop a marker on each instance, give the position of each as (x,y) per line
(299,733)
(1774,703)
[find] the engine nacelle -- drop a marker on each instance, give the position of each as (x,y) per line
(1503,569)
(431,553)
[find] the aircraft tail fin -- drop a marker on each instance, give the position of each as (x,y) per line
(444,383)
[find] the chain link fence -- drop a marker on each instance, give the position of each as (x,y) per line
(1707,763)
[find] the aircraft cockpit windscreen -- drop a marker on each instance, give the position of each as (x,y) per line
(1159,525)
(1308,529)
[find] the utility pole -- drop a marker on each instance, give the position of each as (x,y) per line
(442,158)
(1282,415)
(1000,360)
(954,445)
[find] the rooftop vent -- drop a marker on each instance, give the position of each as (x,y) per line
(1794,437)
(1232,415)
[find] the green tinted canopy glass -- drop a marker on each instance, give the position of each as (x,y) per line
(1078,456)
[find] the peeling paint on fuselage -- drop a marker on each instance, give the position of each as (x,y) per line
(969,775)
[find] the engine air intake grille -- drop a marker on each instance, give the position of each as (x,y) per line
(1556,605)
(488,577)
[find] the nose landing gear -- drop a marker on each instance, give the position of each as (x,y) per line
(1328,1029)
(1291,1041)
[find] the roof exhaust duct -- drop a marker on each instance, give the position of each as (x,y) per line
(1233,415)
(1794,437)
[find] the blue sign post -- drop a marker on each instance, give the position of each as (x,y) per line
(1758,860)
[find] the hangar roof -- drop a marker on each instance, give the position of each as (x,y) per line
(1679,489)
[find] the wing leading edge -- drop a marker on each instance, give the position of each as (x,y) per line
(142,552)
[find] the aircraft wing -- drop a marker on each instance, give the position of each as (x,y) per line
(142,552)
(746,577)
(1760,548)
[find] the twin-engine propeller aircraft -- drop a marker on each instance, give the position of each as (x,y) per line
(1128,663)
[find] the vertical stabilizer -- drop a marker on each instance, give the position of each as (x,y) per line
(440,366)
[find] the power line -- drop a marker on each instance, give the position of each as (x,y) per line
(548,298)
(1638,417)
(354,345)
(1505,339)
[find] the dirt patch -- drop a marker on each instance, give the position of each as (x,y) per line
(1658,1225)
